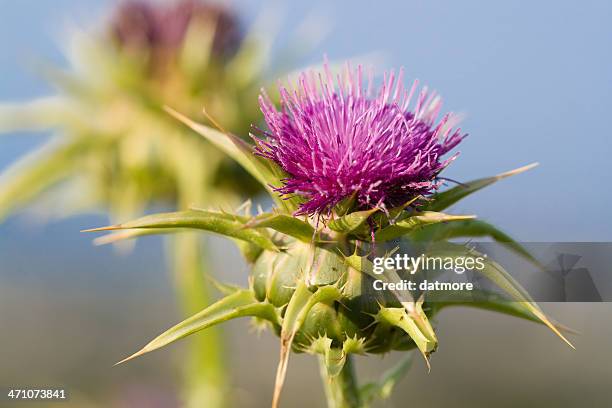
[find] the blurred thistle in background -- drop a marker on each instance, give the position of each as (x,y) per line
(117,151)
(139,27)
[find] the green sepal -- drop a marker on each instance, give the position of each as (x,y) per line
(219,223)
(241,303)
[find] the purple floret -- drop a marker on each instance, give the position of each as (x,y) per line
(336,140)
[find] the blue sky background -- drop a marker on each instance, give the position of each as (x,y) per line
(533,79)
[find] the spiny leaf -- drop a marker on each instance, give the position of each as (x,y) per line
(492,302)
(445,199)
(285,224)
(39,171)
(231,146)
(115,237)
(414,223)
(39,114)
(498,275)
(351,222)
(471,229)
(239,304)
(196,219)
(249,251)
(268,173)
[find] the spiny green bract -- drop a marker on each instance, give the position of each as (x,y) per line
(356,320)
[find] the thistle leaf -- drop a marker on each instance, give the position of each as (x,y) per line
(498,275)
(216,222)
(268,173)
(120,236)
(445,199)
(39,114)
(285,224)
(38,171)
(230,145)
(492,302)
(414,223)
(471,229)
(239,304)
(249,251)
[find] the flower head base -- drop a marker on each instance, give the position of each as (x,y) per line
(337,140)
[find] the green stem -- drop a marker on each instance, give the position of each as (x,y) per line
(205,374)
(341,390)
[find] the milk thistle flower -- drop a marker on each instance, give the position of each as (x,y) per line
(336,139)
(364,161)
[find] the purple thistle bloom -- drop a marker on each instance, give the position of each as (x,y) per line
(339,140)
